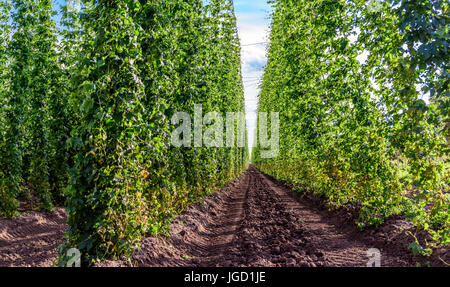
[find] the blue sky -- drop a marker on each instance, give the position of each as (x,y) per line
(253,20)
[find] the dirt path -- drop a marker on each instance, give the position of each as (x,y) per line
(258,222)
(254,221)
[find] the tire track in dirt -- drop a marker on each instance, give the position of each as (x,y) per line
(269,234)
(220,242)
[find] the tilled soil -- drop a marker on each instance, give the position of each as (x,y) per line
(254,221)
(32,238)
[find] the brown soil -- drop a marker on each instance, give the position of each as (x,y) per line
(254,221)
(32,238)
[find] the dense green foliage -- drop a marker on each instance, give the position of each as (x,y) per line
(357,131)
(8,187)
(32,104)
(87,99)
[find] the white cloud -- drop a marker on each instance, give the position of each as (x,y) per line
(253,29)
